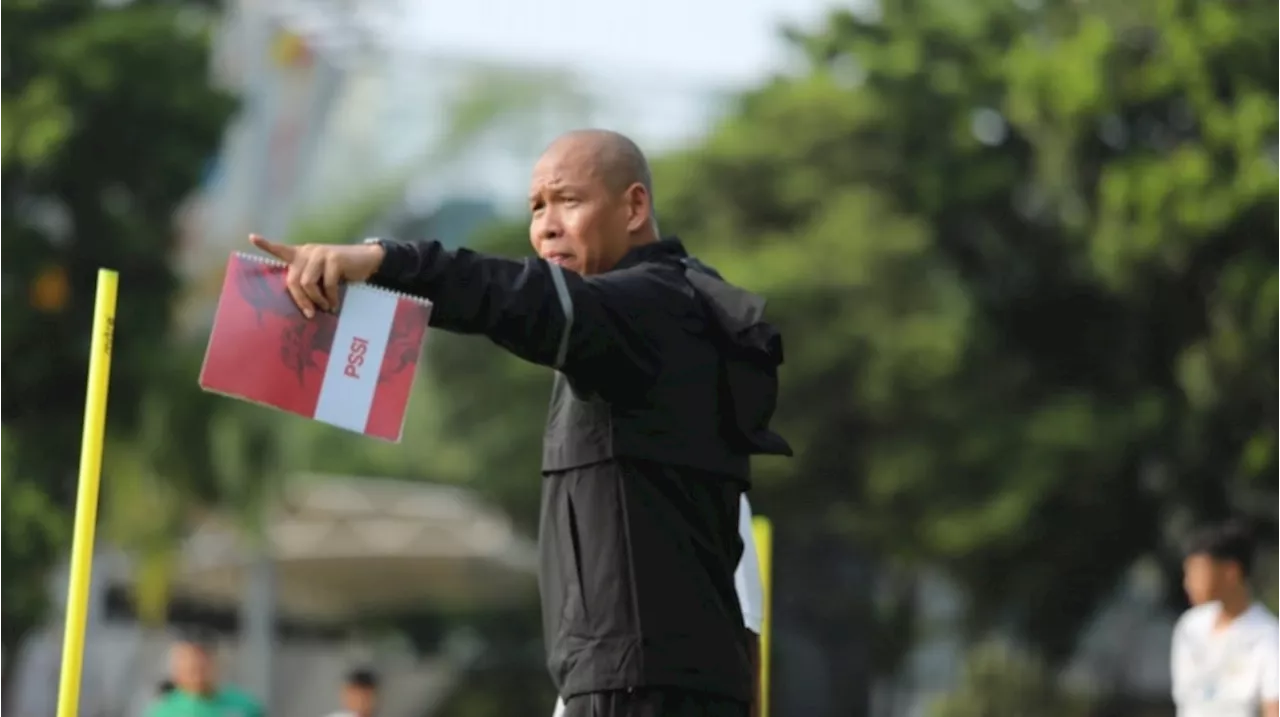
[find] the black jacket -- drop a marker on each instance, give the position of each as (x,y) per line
(666,383)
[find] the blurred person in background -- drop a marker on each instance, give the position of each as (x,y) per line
(750,590)
(359,694)
(1225,648)
(665,385)
(195,689)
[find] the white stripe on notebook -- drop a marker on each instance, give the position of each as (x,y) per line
(359,343)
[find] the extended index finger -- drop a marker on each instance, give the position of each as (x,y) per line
(283,252)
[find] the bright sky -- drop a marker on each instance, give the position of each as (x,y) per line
(713,42)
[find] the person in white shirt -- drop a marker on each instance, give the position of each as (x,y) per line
(1225,648)
(750,590)
(359,694)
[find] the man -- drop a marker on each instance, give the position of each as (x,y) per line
(195,691)
(359,694)
(1225,647)
(666,382)
(750,590)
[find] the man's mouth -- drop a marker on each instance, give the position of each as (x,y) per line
(559,258)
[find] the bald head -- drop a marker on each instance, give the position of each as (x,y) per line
(617,160)
(591,200)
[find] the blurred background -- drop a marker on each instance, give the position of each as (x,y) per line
(1023,253)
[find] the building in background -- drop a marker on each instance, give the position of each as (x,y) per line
(286,87)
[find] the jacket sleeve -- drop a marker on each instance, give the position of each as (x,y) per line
(584,327)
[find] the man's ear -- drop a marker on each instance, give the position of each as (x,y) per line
(639,207)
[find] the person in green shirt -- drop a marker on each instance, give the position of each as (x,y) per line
(196,692)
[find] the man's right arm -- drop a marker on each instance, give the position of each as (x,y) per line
(532,307)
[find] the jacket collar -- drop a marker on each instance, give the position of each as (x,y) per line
(670,249)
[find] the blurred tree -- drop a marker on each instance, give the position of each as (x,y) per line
(998,680)
(1024,257)
(108,118)
(108,122)
(32,528)
(177,462)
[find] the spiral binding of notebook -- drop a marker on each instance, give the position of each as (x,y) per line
(353,368)
(272,261)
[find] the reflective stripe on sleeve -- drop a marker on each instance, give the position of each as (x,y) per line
(566,305)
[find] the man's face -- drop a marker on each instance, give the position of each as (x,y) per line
(577,221)
(359,700)
(1206,579)
(192,668)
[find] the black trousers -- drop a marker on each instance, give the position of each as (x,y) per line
(654,702)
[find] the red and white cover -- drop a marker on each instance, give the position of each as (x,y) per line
(353,370)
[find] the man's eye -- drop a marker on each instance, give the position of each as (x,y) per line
(570,201)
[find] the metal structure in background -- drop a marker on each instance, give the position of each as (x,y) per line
(289,62)
(313,43)
(379,110)
(295,51)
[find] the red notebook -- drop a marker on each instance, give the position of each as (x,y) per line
(353,370)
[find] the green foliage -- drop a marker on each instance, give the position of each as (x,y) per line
(997,680)
(107,121)
(1024,261)
(1023,256)
(33,529)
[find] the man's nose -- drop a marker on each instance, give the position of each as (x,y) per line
(549,227)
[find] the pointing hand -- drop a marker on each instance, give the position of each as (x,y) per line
(317,270)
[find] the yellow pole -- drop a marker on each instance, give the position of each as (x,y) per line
(95,418)
(763,532)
